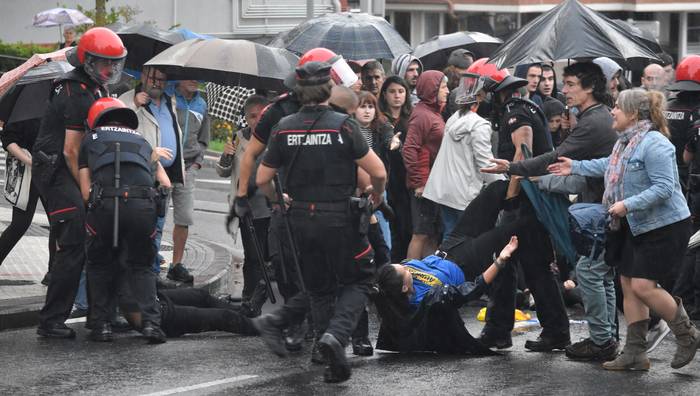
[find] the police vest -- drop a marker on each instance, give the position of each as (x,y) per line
(317,171)
(133,148)
(681,115)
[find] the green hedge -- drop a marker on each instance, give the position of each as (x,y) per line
(19,50)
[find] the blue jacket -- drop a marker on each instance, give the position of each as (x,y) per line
(430,272)
(653,196)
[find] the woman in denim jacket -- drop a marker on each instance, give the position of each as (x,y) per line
(650,221)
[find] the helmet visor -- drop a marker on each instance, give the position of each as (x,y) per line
(342,73)
(103,70)
(468,89)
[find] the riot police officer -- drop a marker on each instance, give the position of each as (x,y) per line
(318,151)
(520,122)
(99,59)
(117,169)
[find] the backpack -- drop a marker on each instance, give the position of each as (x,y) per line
(588,223)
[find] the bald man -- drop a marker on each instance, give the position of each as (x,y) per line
(654,77)
(343,99)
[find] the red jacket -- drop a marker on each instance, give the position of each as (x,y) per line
(425,130)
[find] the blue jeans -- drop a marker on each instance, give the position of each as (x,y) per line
(384,225)
(81,297)
(596,280)
(450,216)
(160,223)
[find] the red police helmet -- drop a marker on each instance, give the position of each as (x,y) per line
(687,74)
(101,42)
(111,110)
(341,72)
(495,79)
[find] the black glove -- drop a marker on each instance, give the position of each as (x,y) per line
(240,208)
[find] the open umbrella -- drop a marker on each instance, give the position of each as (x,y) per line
(59,17)
(29,97)
(228,62)
(226,102)
(644,35)
(569,31)
(433,53)
(350,34)
(144,41)
(8,80)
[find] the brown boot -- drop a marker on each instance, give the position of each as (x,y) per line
(634,354)
(687,337)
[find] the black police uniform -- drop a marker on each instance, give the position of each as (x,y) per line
(535,253)
(315,149)
(106,266)
(70,101)
(681,113)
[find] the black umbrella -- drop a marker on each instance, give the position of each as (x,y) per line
(28,99)
(228,62)
(434,52)
(350,34)
(644,35)
(570,31)
(145,41)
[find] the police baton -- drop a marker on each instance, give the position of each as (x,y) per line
(247,219)
(117,177)
(288,229)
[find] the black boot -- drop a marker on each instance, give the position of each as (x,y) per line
(294,337)
(270,328)
(338,369)
(548,344)
(102,333)
(362,347)
(153,333)
(55,330)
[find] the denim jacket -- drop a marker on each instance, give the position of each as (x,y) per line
(653,196)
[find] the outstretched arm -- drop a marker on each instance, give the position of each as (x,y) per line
(502,259)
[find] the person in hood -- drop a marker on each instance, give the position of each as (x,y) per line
(531,73)
(612,72)
(425,130)
(409,68)
(455,179)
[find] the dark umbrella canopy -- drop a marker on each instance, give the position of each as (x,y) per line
(228,62)
(434,52)
(569,31)
(144,41)
(644,35)
(350,34)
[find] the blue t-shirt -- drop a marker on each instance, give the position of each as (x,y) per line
(167,130)
(432,271)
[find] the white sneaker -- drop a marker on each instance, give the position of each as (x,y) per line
(656,334)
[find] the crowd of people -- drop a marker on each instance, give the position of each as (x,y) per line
(411,191)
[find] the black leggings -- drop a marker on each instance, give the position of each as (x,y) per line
(21,220)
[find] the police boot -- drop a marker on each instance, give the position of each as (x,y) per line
(238,324)
(153,333)
(361,346)
(687,337)
(634,354)
(338,369)
(294,337)
(102,333)
(316,355)
(270,328)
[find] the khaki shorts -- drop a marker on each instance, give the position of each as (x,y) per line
(183,199)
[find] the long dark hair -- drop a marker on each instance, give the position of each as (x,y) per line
(379,117)
(384,106)
(392,304)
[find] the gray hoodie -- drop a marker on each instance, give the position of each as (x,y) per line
(455,179)
(399,66)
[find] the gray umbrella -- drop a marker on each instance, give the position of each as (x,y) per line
(434,52)
(228,62)
(570,31)
(144,41)
(350,34)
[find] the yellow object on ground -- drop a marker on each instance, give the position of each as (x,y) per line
(519,315)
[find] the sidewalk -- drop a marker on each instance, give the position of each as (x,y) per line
(214,266)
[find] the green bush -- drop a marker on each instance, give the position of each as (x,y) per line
(19,50)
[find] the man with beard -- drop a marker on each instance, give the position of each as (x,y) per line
(409,68)
(372,77)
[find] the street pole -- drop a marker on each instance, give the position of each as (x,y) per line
(309,9)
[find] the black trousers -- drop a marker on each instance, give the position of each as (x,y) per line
(66,213)
(21,220)
(534,256)
(337,266)
(190,310)
(282,257)
(687,284)
(108,268)
(252,276)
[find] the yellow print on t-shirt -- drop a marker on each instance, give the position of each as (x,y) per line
(424,277)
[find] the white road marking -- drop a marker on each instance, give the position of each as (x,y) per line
(202,385)
(214,181)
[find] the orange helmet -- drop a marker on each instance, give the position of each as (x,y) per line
(687,74)
(106,110)
(495,80)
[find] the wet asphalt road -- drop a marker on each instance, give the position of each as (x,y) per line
(221,364)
